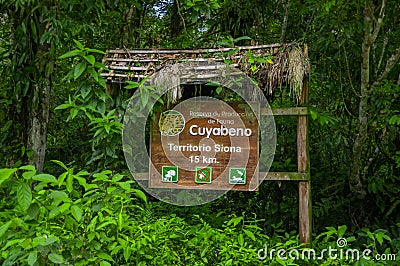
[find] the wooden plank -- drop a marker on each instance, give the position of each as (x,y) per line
(113,59)
(147,60)
(122,75)
(144,68)
(184,79)
(198,51)
(267,176)
(127,68)
(124,69)
(295,111)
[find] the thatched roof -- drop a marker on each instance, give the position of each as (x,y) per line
(272,66)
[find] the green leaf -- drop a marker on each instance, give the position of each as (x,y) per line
(24,195)
(124,185)
(102,82)
(40,240)
(249,234)
(100,65)
(5,174)
(95,51)
(45,178)
(59,195)
(101,107)
(6,126)
(56,258)
(241,239)
(60,164)
(64,207)
(132,85)
(76,212)
(144,97)
(101,95)
(379,238)
(44,240)
(90,58)
(120,221)
(92,224)
(104,224)
(127,253)
(70,54)
(105,263)
(395,119)
(54,212)
(32,258)
(313,113)
(341,230)
(93,73)
(34,30)
(79,44)
(63,106)
(105,256)
(331,230)
(69,183)
(242,38)
(4,228)
(140,194)
(28,175)
(61,178)
(28,168)
(11,243)
(33,210)
(235,220)
(73,112)
(79,69)
(86,186)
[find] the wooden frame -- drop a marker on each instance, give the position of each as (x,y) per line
(137,64)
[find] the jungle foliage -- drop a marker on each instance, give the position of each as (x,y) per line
(66,196)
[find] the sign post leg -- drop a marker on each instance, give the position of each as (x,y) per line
(305,212)
(303,164)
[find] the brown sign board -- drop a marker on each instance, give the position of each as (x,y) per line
(205,143)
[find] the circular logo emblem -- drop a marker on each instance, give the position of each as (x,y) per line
(171,123)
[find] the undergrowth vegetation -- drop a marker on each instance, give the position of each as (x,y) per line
(78,218)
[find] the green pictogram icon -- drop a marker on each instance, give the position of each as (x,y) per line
(203,175)
(237,176)
(169,174)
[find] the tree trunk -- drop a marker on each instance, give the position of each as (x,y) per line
(371,31)
(362,133)
(285,20)
(41,89)
(39,120)
(176,20)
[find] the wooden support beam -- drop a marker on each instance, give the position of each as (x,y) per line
(295,111)
(303,165)
(305,226)
(197,51)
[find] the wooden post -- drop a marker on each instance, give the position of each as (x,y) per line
(303,164)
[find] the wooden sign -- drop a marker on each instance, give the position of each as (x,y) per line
(205,143)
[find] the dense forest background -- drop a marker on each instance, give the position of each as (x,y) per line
(66,193)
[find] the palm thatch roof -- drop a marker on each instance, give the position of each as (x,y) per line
(271,66)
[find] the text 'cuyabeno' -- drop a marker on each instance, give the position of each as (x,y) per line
(195,130)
